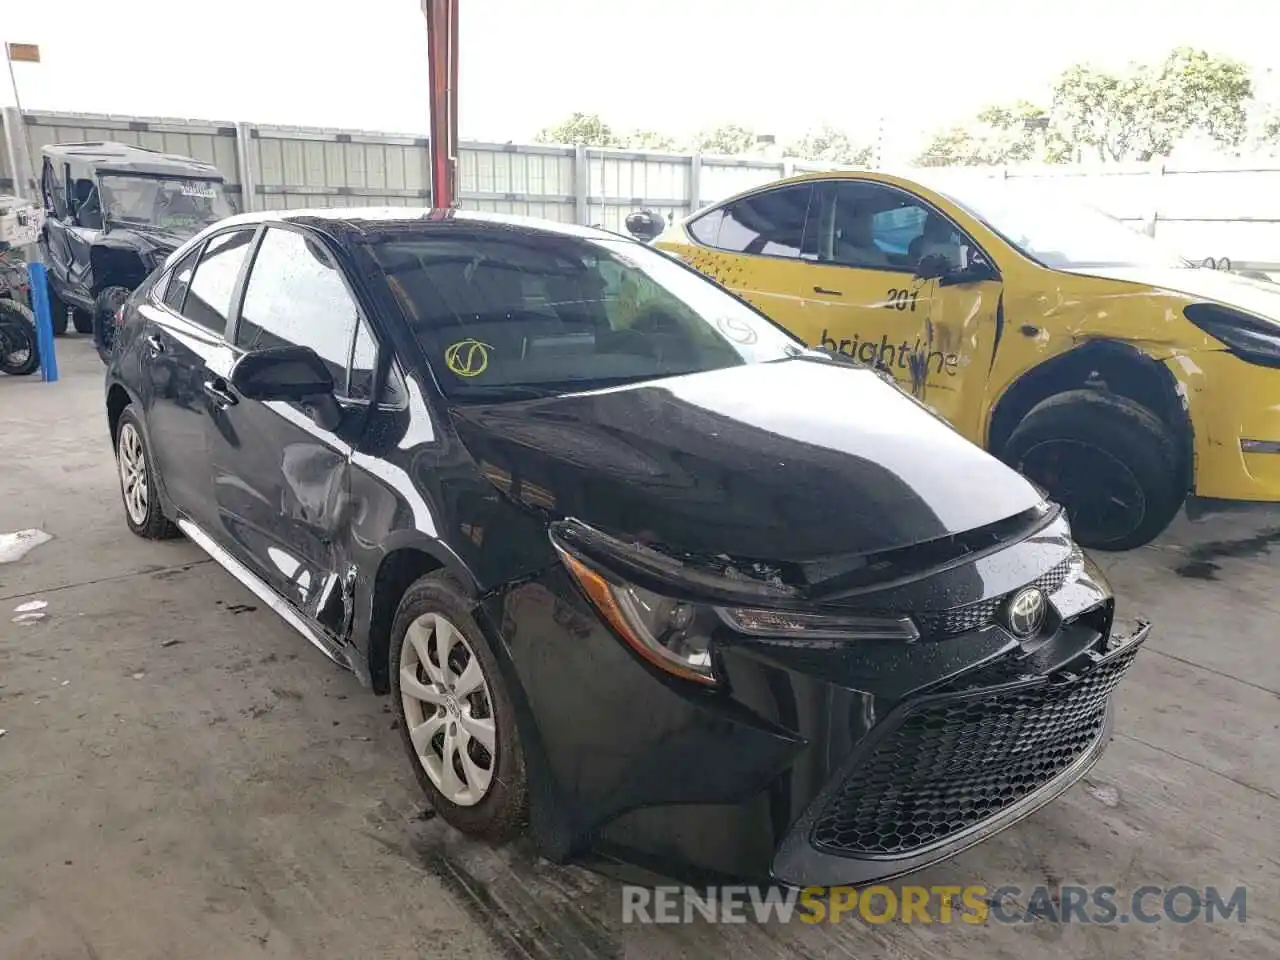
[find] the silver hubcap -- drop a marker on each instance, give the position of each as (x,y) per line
(448,709)
(133,473)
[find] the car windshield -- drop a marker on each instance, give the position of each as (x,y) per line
(1056,228)
(179,206)
(507,314)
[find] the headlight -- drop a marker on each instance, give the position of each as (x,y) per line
(818,626)
(1250,338)
(675,635)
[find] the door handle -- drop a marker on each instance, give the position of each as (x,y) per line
(827,293)
(155,344)
(221,395)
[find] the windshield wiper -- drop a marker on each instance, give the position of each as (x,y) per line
(555,388)
(500,393)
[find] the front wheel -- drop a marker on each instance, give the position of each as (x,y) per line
(1110,462)
(456,717)
(108,302)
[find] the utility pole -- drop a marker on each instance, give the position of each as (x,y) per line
(27,53)
(442,65)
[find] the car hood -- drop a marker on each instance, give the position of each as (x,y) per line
(787,461)
(1258,297)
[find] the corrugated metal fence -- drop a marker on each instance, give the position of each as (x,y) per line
(1231,210)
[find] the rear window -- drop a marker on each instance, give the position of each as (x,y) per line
(510,314)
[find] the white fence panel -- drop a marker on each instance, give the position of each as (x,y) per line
(1226,210)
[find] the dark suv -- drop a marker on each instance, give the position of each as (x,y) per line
(113,213)
(639,569)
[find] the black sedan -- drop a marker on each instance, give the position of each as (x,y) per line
(642,573)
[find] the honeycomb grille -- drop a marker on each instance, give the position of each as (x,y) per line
(953,763)
(974,616)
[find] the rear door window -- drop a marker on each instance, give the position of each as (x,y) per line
(208,299)
(769,223)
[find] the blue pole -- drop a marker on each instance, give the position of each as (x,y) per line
(38,274)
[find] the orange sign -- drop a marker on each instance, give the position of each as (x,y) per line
(24,52)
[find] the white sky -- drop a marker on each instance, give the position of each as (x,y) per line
(672,65)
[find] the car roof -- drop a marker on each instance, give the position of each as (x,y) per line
(368,219)
(127,158)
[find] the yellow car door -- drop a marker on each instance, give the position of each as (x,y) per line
(898,284)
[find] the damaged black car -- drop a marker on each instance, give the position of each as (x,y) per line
(646,578)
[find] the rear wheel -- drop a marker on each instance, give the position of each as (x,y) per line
(104,319)
(456,718)
(19,353)
(1110,462)
(83,320)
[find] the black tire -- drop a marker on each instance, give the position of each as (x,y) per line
(19,347)
(502,813)
(58,310)
(152,524)
(104,319)
(83,320)
(1112,463)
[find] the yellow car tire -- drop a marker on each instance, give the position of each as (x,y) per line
(1108,460)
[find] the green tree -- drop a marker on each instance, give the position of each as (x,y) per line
(1145,111)
(650,140)
(955,147)
(586,129)
(829,145)
(1013,133)
(1266,129)
(730,139)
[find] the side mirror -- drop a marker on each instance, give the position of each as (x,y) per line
(644,225)
(970,267)
(294,374)
(934,267)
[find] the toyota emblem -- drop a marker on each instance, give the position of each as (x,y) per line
(1026,611)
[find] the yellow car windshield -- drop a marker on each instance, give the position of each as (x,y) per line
(1057,229)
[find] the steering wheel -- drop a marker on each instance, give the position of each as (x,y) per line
(656,322)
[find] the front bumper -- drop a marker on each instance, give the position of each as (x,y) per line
(814,764)
(1235,414)
(945,772)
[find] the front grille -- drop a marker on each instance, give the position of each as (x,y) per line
(973,616)
(959,759)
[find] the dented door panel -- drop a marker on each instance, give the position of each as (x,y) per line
(280,488)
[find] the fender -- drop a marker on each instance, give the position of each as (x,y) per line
(1123,368)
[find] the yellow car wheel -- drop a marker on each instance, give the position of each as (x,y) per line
(1110,462)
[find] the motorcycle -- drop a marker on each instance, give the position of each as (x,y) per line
(19,349)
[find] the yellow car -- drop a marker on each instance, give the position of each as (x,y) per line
(1117,376)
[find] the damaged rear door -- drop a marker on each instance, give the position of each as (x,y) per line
(281,481)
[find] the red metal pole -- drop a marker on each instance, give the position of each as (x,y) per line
(442,64)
